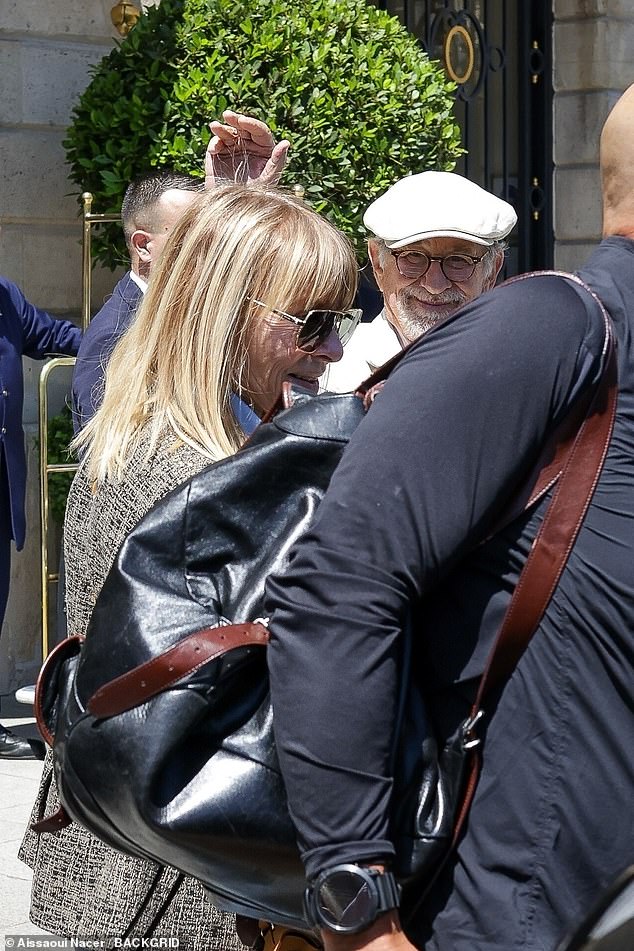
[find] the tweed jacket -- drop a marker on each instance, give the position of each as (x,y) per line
(81,887)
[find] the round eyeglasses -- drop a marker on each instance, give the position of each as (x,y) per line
(455,267)
(315,326)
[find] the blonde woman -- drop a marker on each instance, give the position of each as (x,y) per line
(252,289)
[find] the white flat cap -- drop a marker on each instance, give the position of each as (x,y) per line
(438,205)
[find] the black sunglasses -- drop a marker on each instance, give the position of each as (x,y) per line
(316,325)
(455,267)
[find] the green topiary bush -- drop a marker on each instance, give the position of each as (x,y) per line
(351,89)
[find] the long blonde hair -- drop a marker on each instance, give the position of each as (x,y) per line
(174,370)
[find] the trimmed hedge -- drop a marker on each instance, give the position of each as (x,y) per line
(357,97)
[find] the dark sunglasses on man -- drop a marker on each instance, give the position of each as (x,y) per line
(315,326)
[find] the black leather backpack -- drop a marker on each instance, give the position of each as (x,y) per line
(160,719)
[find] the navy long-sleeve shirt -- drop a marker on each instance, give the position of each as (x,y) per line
(398,537)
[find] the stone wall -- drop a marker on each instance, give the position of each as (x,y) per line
(592,55)
(46,50)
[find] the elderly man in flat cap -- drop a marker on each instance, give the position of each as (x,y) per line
(438,243)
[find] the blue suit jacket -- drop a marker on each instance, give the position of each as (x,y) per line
(99,341)
(24,330)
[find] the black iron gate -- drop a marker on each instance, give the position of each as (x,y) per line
(499,54)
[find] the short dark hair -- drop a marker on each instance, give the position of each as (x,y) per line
(144,192)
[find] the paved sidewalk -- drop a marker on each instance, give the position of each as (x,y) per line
(19,780)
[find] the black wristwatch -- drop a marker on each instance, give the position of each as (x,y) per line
(348,898)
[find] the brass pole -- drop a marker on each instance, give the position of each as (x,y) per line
(89,219)
(46,576)
(86,266)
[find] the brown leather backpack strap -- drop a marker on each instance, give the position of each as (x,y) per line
(54,823)
(147,680)
(64,651)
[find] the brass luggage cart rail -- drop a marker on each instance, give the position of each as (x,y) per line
(48,577)
(88,220)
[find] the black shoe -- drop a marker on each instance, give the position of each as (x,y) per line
(18,747)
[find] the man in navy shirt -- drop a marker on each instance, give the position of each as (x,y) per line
(450,440)
(24,331)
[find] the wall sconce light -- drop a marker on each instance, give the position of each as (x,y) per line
(124,15)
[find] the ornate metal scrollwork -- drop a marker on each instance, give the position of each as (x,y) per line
(459,54)
(457,40)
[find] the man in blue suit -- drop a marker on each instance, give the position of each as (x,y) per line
(151,207)
(24,331)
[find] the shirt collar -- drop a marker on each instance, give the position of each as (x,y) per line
(139,282)
(246,418)
(382,341)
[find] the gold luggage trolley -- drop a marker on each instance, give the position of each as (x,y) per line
(52,577)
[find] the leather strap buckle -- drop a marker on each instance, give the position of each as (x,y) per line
(469,740)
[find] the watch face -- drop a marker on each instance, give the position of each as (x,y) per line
(346,900)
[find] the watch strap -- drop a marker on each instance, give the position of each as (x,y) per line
(388,890)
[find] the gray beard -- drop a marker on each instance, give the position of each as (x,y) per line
(414,326)
(414,323)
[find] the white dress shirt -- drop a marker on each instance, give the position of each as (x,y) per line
(369,347)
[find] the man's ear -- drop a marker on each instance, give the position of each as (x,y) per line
(139,241)
(497,267)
